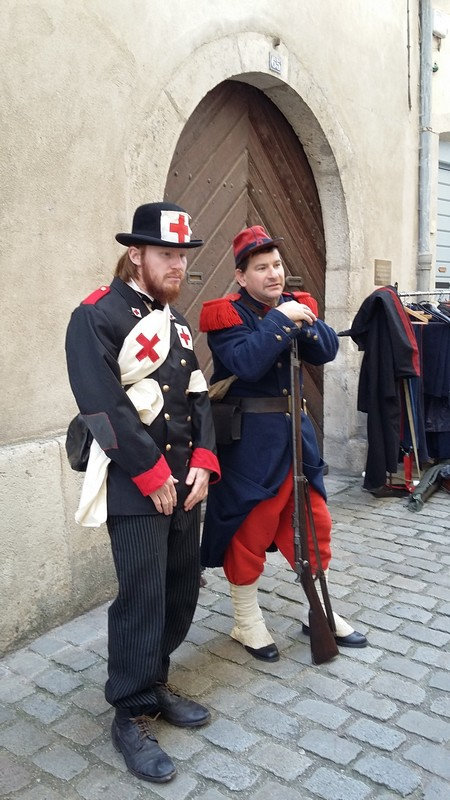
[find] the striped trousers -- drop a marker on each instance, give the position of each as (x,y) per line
(157,564)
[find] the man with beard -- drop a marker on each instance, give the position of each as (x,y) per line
(250,334)
(136,380)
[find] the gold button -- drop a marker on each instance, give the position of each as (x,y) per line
(285,328)
(168,447)
(183,362)
(188,419)
(165,388)
(190,444)
(315,337)
(278,337)
(279,364)
(285,392)
(186,391)
(166,416)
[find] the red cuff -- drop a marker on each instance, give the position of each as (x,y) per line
(148,482)
(207,460)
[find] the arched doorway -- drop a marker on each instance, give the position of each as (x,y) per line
(238,162)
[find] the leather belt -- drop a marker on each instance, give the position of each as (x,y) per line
(259,405)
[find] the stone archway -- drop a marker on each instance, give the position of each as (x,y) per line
(244,57)
(237,163)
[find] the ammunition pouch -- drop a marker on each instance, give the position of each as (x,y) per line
(78,443)
(227,419)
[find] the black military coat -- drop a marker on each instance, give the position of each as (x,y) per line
(142,457)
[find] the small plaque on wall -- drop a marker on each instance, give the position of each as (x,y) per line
(382,272)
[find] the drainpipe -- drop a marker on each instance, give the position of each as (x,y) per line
(424,255)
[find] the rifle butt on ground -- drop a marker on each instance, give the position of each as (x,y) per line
(323,643)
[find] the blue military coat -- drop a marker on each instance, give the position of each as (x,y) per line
(254,344)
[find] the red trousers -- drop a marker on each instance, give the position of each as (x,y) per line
(271,522)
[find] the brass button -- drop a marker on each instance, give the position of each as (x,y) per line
(166,416)
(315,337)
(168,447)
(285,392)
(285,328)
(279,364)
(278,337)
(165,388)
(188,418)
(190,444)
(183,362)
(186,391)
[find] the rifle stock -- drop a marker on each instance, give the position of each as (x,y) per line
(322,641)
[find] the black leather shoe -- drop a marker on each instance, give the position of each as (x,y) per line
(179,710)
(354,639)
(267,653)
(134,738)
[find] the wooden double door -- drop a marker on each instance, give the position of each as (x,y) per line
(237,163)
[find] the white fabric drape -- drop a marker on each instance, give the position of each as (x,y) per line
(143,351)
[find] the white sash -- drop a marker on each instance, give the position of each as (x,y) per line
(143,351)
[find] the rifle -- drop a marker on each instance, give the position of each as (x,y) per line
(321,624)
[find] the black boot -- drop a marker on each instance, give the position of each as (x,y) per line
(355,639)
(134,738)
(179,710)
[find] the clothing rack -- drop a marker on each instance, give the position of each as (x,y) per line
(432,421)
(438,293)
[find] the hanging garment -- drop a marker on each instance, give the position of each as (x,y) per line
(436,384)
(382,329)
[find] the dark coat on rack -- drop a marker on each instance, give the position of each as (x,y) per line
(383,331)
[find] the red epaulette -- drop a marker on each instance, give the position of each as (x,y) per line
(218,314)
(306,298)
(95,296)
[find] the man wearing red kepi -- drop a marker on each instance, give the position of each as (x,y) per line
(250,335)
(136,380)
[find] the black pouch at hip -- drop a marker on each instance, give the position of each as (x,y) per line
(227,422)
(78,443)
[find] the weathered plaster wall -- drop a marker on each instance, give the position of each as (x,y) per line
(96,94)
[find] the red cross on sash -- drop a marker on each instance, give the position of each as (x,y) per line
(147,347)
(184,336)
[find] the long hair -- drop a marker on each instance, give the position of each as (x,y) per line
(125,269)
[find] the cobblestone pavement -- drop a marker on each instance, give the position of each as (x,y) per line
(374,723)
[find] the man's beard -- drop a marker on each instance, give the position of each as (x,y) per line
(162,294)
(166,295)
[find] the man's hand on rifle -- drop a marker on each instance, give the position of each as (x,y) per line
(297,312)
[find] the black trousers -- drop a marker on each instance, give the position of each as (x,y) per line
(157,563)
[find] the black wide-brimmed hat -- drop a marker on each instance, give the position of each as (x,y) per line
(160,224)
